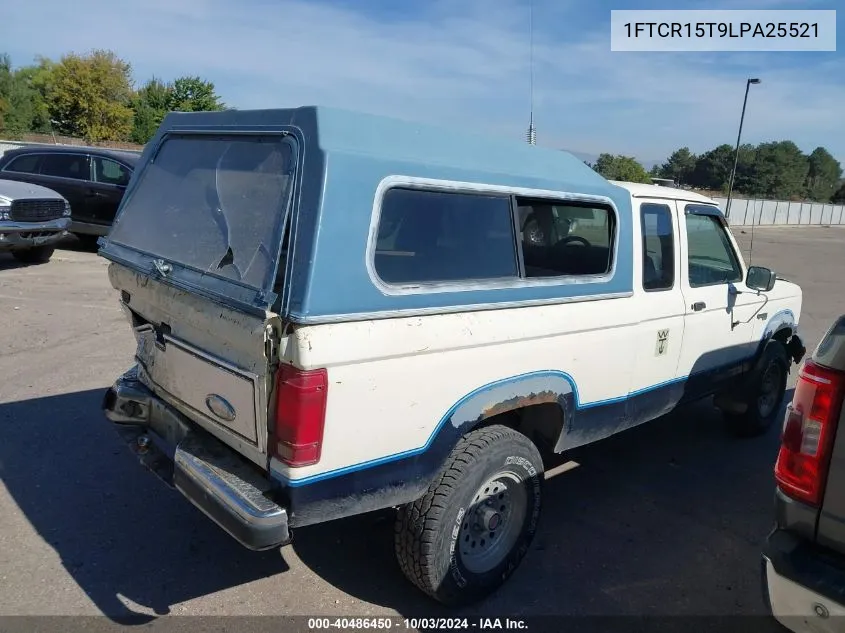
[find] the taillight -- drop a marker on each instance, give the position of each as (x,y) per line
(300,414)
(808,431)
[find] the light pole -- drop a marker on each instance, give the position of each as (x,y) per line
(736,153)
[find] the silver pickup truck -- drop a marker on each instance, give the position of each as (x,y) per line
(804,556)
(32,219)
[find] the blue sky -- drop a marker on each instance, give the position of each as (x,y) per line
(461,63)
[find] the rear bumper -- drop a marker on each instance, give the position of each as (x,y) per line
(213,477)
(804,586)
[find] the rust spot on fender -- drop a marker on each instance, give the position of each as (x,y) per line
(519,402)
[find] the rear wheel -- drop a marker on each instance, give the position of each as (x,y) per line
(764,393)
(36,255)
(465,537)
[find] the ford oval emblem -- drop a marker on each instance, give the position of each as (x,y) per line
(220,407)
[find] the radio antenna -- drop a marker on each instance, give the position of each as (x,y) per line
(531,136)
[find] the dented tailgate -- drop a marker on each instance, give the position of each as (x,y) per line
(196,251)
(208,361)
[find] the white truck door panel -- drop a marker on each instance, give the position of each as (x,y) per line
(720,309)
(660,300)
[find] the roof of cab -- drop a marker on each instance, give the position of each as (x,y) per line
(641,190)
(345,131)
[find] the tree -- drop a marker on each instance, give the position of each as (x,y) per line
(625,168)
(155,99)
(823,176)
(150,104)
(39,79)
(839,196)
(679,166)
(90,96)
(780,171)
(745,181)
(713,168)
(193,94)
(20,103)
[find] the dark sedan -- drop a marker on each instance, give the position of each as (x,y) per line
(92,179)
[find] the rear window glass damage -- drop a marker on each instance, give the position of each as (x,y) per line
(215,204)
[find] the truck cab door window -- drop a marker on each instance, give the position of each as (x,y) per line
(658,247)
(711,257)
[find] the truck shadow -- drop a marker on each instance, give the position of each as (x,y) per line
(666,519)
(135,547)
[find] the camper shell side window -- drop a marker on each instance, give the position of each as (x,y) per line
(433,236)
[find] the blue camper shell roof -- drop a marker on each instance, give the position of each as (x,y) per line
(344,160)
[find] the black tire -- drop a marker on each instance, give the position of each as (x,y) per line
(769,380)
(36,255)
(87,241)
(432,533)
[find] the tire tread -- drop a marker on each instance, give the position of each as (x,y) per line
(415,529)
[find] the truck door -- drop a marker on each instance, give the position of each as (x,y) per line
(660,307)
(719,307)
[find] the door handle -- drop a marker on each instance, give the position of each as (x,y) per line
(698,306)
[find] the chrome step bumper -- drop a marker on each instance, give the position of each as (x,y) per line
(213,477)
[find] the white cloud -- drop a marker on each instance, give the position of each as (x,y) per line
(452,63)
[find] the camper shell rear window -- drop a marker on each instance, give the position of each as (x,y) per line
(213,203)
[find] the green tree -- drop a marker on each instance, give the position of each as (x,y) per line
(780,171)
(713,168)
(39,79)
(19,101)
(679,166)
(619,167)
(823,176)
(150,104)
(90,96)
(745,181)
(193,94)
(155,99)
(839,196)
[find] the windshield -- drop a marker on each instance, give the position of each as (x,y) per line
(212,203)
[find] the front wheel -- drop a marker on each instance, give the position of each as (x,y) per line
(764,393)
(35,255)
(464,538)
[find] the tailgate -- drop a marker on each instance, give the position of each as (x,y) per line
(831,526)
(209,362)
(196,250)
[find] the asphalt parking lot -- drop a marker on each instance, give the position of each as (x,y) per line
(666,519)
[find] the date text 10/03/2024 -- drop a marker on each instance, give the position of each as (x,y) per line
(416,624)
(722,29)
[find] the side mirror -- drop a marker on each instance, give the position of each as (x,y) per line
(760,278)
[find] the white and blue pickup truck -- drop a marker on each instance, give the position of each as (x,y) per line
(337,313)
